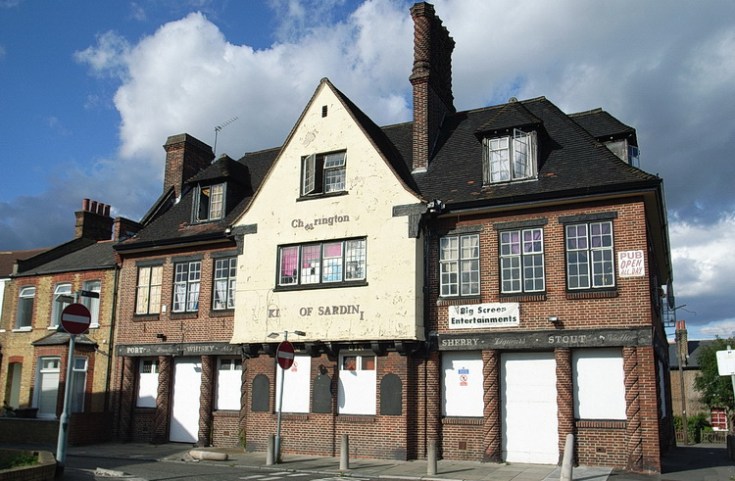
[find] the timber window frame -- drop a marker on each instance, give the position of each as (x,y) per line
(323,174)
(148,290)
(590,255)
(459,265)
(323,264)
(24,316)
(187,285)
(225,277)
(522,261)
(209,202)
(510,158)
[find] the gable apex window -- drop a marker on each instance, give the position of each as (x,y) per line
(209,202)
(509,158)
(323,173)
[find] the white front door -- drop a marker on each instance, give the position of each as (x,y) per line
(47,386)
(530,426)
(185,401)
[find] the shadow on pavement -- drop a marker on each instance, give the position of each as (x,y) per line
(701,456)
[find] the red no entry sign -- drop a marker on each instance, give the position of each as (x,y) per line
(284,354)
(75,318)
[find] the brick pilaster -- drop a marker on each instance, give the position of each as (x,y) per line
(492,414)
(634,432)
(206,400)
(127,399)
(163,400)
(564,396)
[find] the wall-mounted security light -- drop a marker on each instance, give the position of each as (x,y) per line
(554,319)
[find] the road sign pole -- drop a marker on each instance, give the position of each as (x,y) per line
(64,420)
(280,406)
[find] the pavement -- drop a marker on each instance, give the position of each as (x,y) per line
(701,462)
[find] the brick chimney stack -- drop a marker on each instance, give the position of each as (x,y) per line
(432,81)
(185,156)
(93,221)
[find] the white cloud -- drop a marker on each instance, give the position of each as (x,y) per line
(108,57)
(723,329)
(702,257)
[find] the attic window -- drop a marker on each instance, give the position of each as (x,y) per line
(324,110)
(510,158)
(323,173)
(209,202)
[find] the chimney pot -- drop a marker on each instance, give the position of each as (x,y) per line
(85,205)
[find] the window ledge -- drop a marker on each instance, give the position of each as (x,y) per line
(321,196)
(466,421)
(23,329)
(308,287)
(539,296)
(226,412)
(453,301)
(221,312)
(356,418)
(601,424)
(146,317)
(294,416)
(184,315)
(94,325)
(596,294)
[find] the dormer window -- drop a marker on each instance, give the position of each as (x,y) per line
(209,202)
(510,158)
(323,173)
(625,151)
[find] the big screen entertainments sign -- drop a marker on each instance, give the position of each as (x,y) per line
(473,316)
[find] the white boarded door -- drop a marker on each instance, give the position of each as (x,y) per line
(529,410)
(185,402)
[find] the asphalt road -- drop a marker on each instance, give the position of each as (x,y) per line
(81,468)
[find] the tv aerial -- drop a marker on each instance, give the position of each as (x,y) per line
(217,129)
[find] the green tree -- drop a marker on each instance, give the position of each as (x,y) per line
(716,390)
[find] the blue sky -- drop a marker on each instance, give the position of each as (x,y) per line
(90,90)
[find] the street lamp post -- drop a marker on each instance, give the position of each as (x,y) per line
(274,335)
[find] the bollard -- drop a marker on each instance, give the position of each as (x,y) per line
(431,459)
(568,459)
(269,456)
(344,454)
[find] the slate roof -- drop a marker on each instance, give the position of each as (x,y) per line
(60,338)
(694,349)
(602,125)
(175,226)
(571,161)
(98,255)
(8,259)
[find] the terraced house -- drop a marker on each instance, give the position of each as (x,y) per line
(486,280)
(35,350)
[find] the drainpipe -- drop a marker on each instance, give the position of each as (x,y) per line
(111,342)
